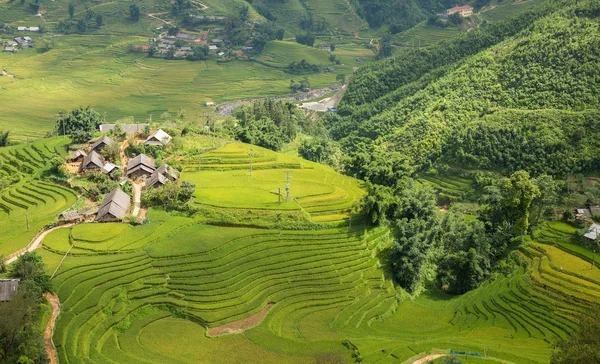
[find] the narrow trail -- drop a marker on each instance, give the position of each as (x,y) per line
(137,198)
(34,244)
(424,360)
(153,16)
(49,331)
(239,326)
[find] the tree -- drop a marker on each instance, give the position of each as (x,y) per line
(341,78)
(30,266)
(134,12)
(57,167)
(79,119)
(280,34)
(82,25)
(71,10)
(4,138)
(583,345)
(99,20)
(519,192)
(244,13)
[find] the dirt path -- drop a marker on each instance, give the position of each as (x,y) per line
(137,198)
(36,243)
(237,327)
(424,360)
(49,331)
(153,16)
(226,109)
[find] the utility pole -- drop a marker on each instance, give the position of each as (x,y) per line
(288,177)
(279,195)
(27,219)
(251,154)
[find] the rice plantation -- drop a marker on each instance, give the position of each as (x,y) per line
(30,202)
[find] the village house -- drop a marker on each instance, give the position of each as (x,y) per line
(159,137)
(92,162)
(77,156)
(101,143)
(140,166)
(8,288)
(168,172)
(70,217)
(109,168)
(585,213)
(592,233)
(463,11)
(156,180)
(114,207)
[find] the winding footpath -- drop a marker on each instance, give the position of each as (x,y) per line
(50,297)
(49,331)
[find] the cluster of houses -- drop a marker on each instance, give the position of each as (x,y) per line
(28,29)
(167,44)
(463,10)
(584,215)
(17,44)
(141,168)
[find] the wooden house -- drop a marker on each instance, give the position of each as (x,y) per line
(114,207)
(140,166)
(8,288)
(92,162)
(101,143)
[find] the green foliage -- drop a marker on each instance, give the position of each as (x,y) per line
(514,95)
(80,119)
(58,168)
(4,138)
(582,346)
(321,150)
(81,136)
(269,124)
(172,196)
(302,68)
(134,12)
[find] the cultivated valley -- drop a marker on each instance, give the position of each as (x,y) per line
(299,181)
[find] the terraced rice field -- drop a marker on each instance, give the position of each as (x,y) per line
(29,198)
(449,187)
(423,35)
(155,301)
(222,179)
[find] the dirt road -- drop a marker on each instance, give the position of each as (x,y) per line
(36,243)
(49,331)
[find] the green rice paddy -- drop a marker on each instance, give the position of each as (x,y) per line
(29,200)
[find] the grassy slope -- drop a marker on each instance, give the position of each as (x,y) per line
(99,71)
(163,283)
(29,199)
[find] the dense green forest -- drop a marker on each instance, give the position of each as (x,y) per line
(519,94)
(399,14)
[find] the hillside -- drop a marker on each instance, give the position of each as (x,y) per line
(526,89)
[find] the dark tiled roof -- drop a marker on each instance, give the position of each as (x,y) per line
(104,140)
(168,171)
(92,159)
(115,203)
(141,159)
(156,179)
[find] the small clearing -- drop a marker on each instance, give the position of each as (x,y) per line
(427,358)
(49,331)
(239,326)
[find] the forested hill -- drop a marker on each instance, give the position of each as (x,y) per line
(519,94)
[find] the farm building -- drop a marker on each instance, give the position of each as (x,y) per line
(114,206)
(584,213)
(70,216)
(156,180)
(464,10)
(8,288)
(168,172)
(109,168)
(592,233)
(77,156)
(128,128)
(140,166)
(210,103)
(158,138)
(101,143)
(92,162)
